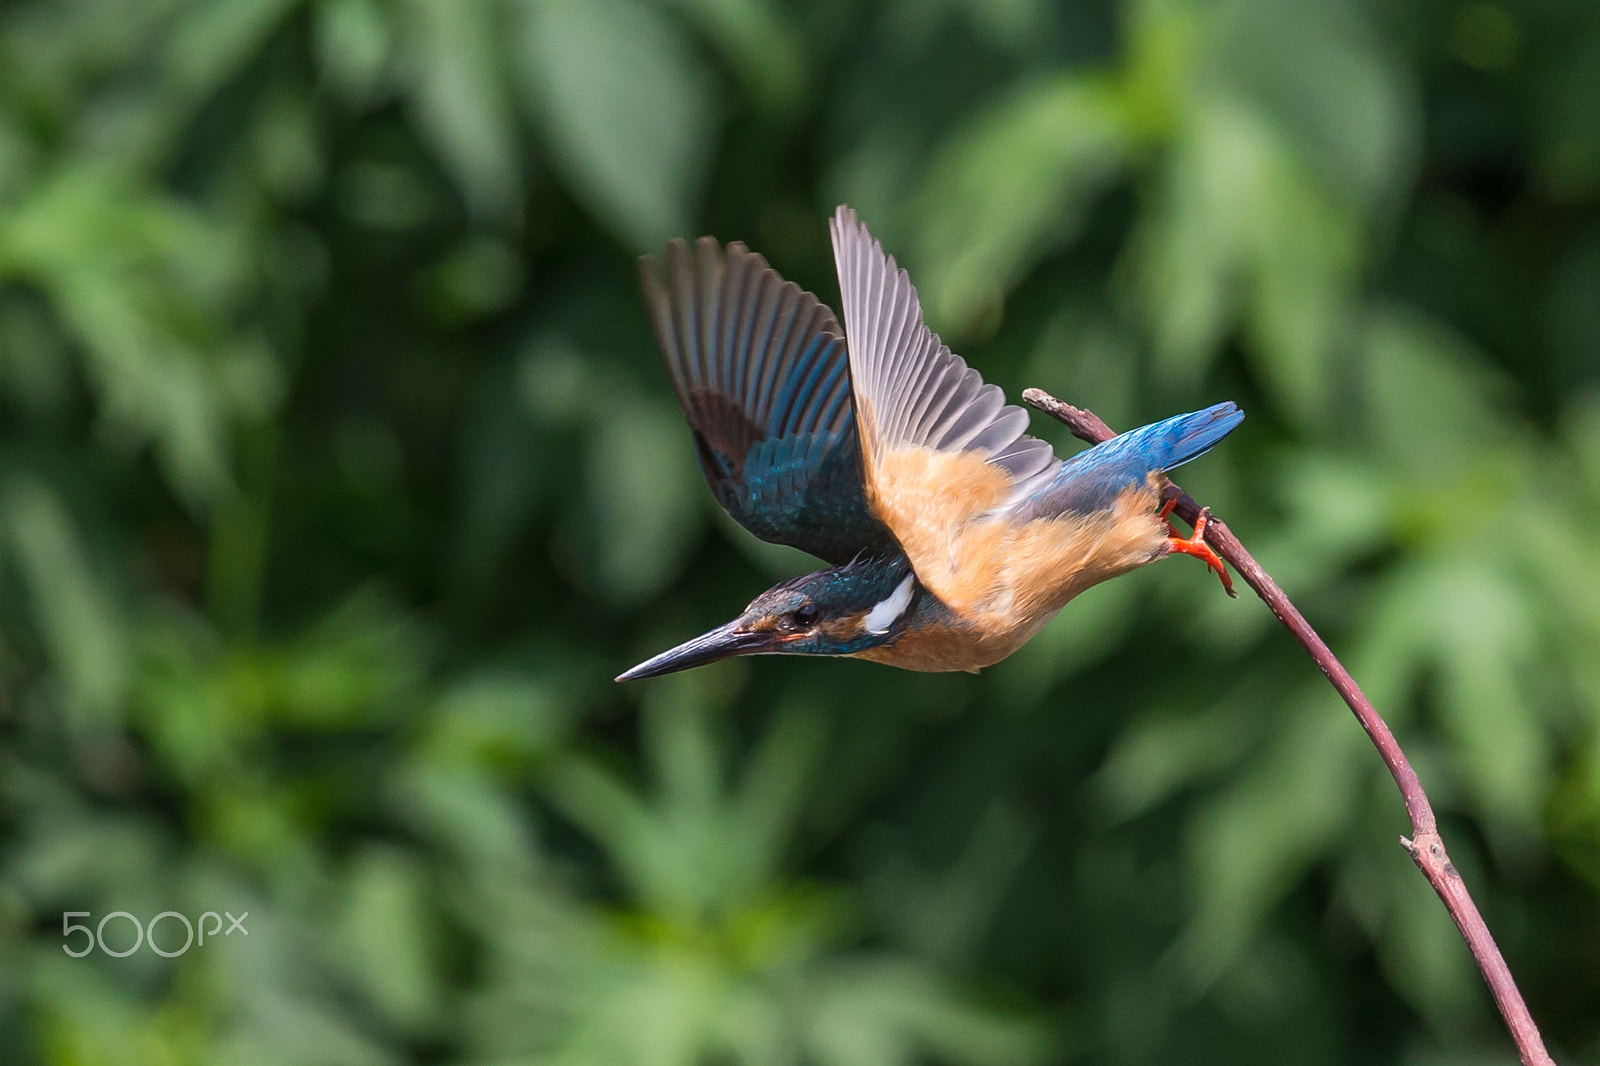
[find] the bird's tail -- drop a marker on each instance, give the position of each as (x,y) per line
(1174,441)
(1093,479)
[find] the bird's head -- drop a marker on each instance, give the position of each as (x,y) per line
(841,611)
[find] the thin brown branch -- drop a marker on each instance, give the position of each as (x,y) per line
(1425,845)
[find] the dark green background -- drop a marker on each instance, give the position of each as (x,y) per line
(338,476)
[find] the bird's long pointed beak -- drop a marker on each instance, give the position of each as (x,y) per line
(721,643)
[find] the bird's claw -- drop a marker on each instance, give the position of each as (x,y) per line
(1196,545)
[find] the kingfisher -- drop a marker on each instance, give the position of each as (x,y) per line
(952,535)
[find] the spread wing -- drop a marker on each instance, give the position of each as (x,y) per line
(939,446)
(759,367)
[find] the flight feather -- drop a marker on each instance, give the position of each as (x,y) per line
(760,370)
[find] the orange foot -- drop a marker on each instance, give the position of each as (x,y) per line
(1196,545)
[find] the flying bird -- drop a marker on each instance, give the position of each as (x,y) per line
(953,535)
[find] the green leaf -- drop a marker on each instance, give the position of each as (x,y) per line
(646,499)
(1013,186)
(353,41)
(759,43)
(82,626)
(214,39)
(453,60)
(625,107)
(1266,827)
(389,932)
(1240,233)
(1321,75)
(140,280)
(1430,397)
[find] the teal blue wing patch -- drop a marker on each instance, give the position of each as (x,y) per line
(760,369)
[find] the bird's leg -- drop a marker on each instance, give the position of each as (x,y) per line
(1195,544)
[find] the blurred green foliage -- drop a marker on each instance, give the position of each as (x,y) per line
(338,477)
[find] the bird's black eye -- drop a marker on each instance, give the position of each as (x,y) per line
(805,615)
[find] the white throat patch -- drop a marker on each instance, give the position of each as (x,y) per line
(888,612)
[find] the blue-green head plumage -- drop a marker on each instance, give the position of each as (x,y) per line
(843,610)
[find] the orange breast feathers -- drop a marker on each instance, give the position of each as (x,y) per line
(1003,579)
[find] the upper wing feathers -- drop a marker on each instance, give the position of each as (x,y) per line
(911,390)
(760,369)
